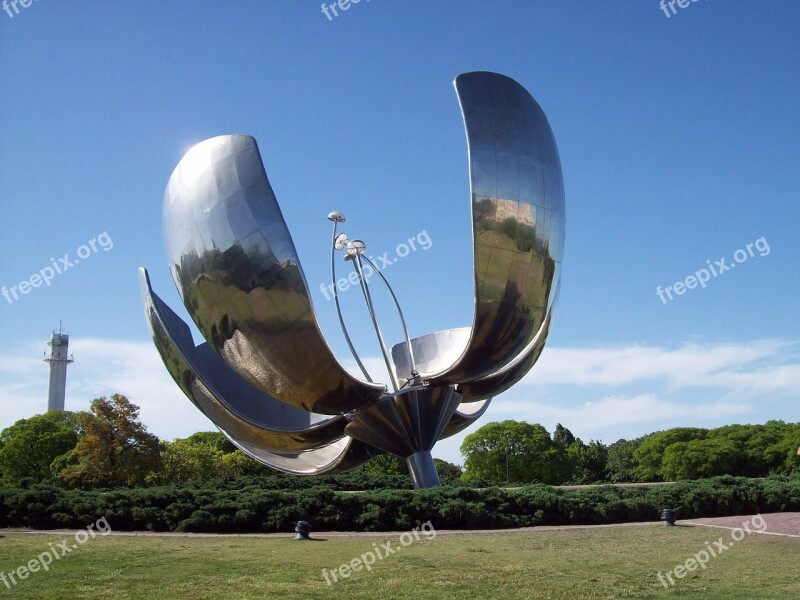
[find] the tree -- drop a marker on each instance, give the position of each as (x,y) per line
(115,449)
(650,453)
(199,458)
(620,461)
(783,457)
(212,439)
(588,462)
(391,465)
(690,453)
(29,447)
(514,451)
(563,436)
(764,449)
(448,472)
(696,459)
(236,463)
(184,460)
(386,464)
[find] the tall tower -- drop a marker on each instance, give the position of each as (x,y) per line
(58,359)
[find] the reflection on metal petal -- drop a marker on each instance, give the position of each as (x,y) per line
(496,384)
(517,215)
(432,352)
(339,457)
(238,273)
(465,415)
(248,417)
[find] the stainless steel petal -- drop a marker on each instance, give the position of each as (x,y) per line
(494,385)
(239,276)
(242,412)
(339,457)
(466,414)
(432,352)
(518,223)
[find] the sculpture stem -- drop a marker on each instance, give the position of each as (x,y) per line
(422,470)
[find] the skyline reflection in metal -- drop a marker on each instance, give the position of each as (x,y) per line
(266,376)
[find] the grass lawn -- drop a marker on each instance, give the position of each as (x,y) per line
(611,562)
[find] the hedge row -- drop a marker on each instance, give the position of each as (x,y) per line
(255,509)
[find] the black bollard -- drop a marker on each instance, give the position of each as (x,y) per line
(669,516)
(303,529)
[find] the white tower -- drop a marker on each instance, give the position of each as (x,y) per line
(58,359)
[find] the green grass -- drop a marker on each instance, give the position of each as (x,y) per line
(612,562)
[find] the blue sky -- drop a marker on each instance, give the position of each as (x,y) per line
(679,139)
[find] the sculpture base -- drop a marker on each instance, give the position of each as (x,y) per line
(422,470)
(408,423)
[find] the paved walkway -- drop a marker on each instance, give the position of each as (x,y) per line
(783,524)
(328,534)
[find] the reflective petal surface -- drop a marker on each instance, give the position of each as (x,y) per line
(277,434)
(238,273)
(518,222)
(465,415)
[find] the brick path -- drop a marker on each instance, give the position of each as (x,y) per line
(777,523)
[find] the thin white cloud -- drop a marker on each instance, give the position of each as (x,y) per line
(747,369)
(612,412)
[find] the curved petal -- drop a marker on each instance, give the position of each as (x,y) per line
(466,414)
(347,454)
(240,279)
(247,416)
(518,223)
(496,384)
(432,352)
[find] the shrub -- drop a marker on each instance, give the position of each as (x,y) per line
(253,508)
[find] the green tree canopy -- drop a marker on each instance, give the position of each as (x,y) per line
(744,450)
(212,439)
(199,458)
(386,464)
(588,462)
(563,436)
(184,460)
(620,463)
(697,459)
(514,451)
(650,453)
(29,447)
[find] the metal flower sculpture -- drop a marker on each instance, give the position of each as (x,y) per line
(265,375)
